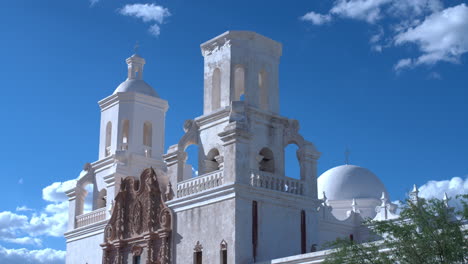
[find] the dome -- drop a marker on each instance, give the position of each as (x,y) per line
(349,181)
(137,86)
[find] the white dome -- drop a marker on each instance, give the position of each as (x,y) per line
(137,86)
(349,181)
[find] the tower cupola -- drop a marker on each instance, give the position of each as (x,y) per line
(135,67)
(134,81)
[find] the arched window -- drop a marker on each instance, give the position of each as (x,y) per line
(239,83)
(212,161)
(223,253)
(125,131)
(148,138)
(263,90)
(108,138)
(266,160)
(197,254)
(216,90)
(292,166)
(88,200)
(191,165)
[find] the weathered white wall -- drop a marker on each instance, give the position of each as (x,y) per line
(210,224)
(85,250)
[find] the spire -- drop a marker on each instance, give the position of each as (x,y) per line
(135,66)
(347,153)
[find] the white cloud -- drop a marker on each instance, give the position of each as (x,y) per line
(435,76)
(23,209)
(436,189)
(439,34)
(155,30)
(403,64)
(93,2)
(147,13)
(56,191)
(316,18)
(25,256)
(24,241)
(442,36)
(367,10)
(50,221)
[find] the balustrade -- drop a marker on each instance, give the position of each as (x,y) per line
(91,217)
(200,183)
(270,181)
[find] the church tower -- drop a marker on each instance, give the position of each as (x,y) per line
(241,207)
(131,139)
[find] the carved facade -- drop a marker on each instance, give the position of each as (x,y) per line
(140,225)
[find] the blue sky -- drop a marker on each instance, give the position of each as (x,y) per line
(385,78)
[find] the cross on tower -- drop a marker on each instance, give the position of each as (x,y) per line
(347,153)
(136,47)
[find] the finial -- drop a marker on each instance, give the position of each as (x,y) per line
(347,153)
(446,199)
(324,196)
(384,199)
(414,194)
(354,206)
(136,47)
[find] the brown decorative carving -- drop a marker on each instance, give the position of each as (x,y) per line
(137,250)
(140,222)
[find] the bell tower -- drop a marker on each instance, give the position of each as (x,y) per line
(241,192)
(131,140)
(241,66)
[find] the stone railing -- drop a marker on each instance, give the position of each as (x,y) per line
(91,217)
(200,183)
(270,181)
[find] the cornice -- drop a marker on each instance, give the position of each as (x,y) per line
(133,97)
(86,231)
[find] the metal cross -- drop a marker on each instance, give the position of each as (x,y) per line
(347,153)
(137,46)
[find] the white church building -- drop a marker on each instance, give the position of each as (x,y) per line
(241,207)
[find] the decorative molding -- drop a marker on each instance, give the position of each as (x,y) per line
(223,245)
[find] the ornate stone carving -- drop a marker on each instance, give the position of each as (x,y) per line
(137,250)
(139,213)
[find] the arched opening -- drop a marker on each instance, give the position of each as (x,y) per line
(216,90)
(108,138)
(147,138)
(88,199)
(239,83)
(266,161)
(102,199)
(212,161)
(198,254)
(125,131)
(263,92)
(292,167)
(223,253)
(191,165)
